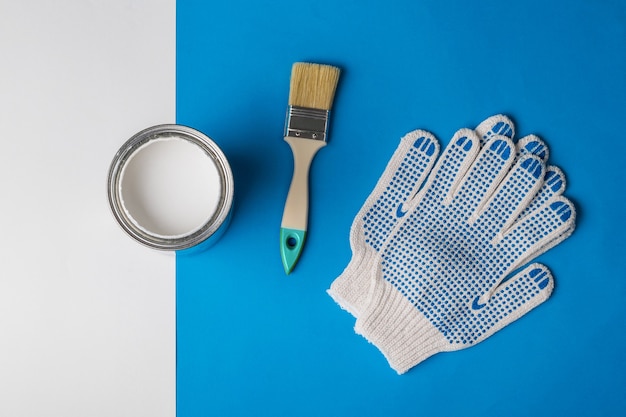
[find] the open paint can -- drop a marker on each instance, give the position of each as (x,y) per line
(170,187)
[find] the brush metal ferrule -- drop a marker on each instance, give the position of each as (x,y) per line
(304,122)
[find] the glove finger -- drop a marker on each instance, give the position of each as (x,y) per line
(536,232)
(406,171)
(510,300)
(453,163)
(549,244)
(485,174)
(553,185)
(533,145)
(525,147)
(512,196)
(498,125)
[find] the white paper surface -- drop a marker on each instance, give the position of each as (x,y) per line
(87,316)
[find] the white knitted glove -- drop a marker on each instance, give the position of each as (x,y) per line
(442,281)
(406,171)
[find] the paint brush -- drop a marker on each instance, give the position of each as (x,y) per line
(311,94)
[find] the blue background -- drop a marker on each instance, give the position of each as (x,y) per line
(252,341)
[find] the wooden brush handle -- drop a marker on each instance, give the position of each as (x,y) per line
(295,215)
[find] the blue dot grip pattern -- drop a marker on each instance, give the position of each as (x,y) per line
(452,253)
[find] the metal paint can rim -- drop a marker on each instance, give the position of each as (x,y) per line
(217,222)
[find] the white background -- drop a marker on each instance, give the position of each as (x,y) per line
(87,316)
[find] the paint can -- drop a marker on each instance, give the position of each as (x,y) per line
(170,187)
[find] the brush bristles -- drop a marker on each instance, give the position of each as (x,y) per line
(313,85)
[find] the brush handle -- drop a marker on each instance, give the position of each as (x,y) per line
(295,216)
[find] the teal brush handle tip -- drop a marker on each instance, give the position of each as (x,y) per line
(291,244)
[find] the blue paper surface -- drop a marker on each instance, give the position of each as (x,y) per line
(252,341)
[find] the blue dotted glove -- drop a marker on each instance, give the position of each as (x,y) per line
(439,282)
(443,282)
(406,171)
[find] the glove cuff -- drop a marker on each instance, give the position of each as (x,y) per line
(350,289)
(398,329)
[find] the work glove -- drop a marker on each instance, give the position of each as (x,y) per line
(441,281)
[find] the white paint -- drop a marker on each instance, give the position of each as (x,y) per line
(170,187)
